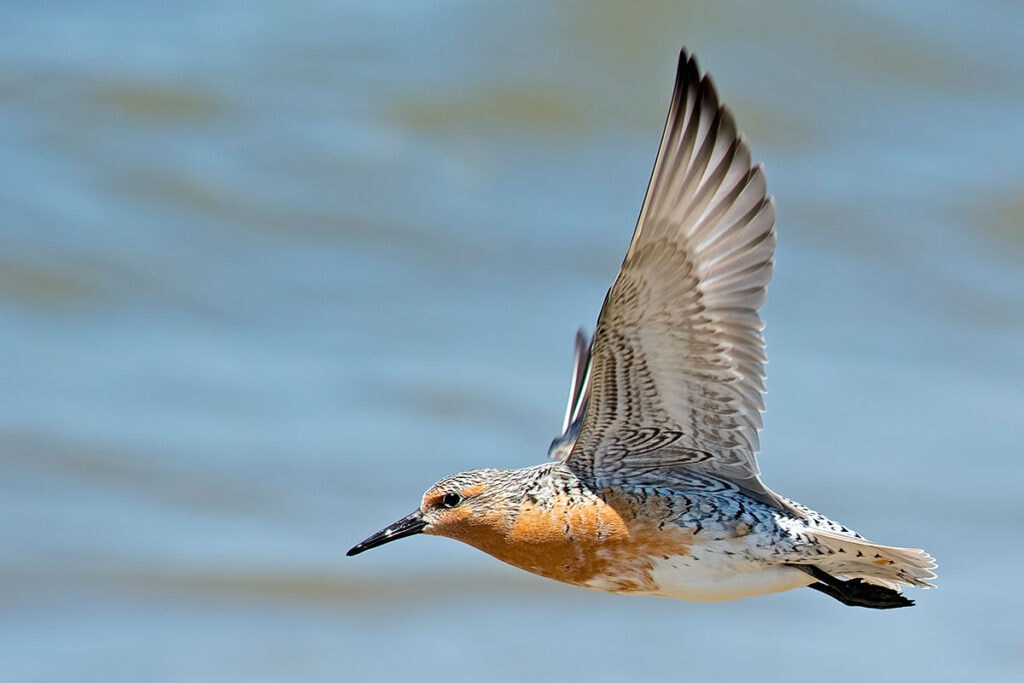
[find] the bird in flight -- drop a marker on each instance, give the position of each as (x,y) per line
(652,487)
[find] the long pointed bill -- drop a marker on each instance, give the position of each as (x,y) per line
(407,526)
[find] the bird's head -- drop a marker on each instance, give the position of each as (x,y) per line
(473,507)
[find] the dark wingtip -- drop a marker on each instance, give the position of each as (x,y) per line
(691,82)
(687,70)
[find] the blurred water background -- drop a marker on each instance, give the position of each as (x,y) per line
(269,270)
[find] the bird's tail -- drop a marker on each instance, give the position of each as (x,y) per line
(858,558)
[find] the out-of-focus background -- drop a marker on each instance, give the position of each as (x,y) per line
(269,270)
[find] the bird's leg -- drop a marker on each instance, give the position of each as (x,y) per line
(855,592)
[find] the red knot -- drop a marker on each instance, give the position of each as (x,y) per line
(653,487)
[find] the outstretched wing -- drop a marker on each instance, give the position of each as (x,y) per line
(677,365)
(561,445)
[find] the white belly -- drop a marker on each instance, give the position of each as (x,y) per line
(714,577)
(679,579)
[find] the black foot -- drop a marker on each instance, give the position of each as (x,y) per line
(855,592)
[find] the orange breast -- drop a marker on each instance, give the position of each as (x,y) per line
(612,538)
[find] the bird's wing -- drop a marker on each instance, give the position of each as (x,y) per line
(562,444)
(677,364)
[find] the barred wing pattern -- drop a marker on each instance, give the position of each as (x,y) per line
(677,365)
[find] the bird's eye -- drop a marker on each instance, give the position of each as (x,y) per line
(451,500)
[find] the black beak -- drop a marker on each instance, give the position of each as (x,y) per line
(407,526)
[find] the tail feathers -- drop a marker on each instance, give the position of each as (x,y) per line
(878,564)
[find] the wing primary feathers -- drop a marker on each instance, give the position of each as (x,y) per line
(580,367)
(579,392)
